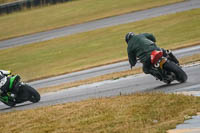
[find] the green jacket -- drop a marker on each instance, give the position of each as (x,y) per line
(140,47)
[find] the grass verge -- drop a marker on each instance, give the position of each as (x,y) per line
(141,113)
(112,76)
(6,1)
(69,13)
(94,48)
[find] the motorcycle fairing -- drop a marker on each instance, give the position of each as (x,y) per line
(12,79)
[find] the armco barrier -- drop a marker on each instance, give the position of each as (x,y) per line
(22,4)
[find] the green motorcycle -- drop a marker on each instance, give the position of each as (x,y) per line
(18,92)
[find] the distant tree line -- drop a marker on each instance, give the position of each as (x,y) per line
(23,4)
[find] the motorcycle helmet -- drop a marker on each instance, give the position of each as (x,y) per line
(129,36)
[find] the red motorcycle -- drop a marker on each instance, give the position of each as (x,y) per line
(168,69)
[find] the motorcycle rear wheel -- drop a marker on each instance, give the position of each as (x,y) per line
(181,76)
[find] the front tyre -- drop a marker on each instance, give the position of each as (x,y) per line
(34,96)
(170,66)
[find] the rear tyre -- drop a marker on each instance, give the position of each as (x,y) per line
(34,96)
(170,66)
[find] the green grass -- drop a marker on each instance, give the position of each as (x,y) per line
(138,113)
(97,47)
(69,13)
(6,1)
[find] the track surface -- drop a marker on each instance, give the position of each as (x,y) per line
(131,84)
(94,72)
(111,21)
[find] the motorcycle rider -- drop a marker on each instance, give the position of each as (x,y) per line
(140,47)
(5,81)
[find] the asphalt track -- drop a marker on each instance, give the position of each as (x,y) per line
(98,71)
(122,86)
(107,22)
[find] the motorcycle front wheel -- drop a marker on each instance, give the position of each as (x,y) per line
(34,95)
(170,66)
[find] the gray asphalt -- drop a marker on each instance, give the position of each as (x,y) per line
(98,71)
(107,22)
(127,85)
(189,126)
